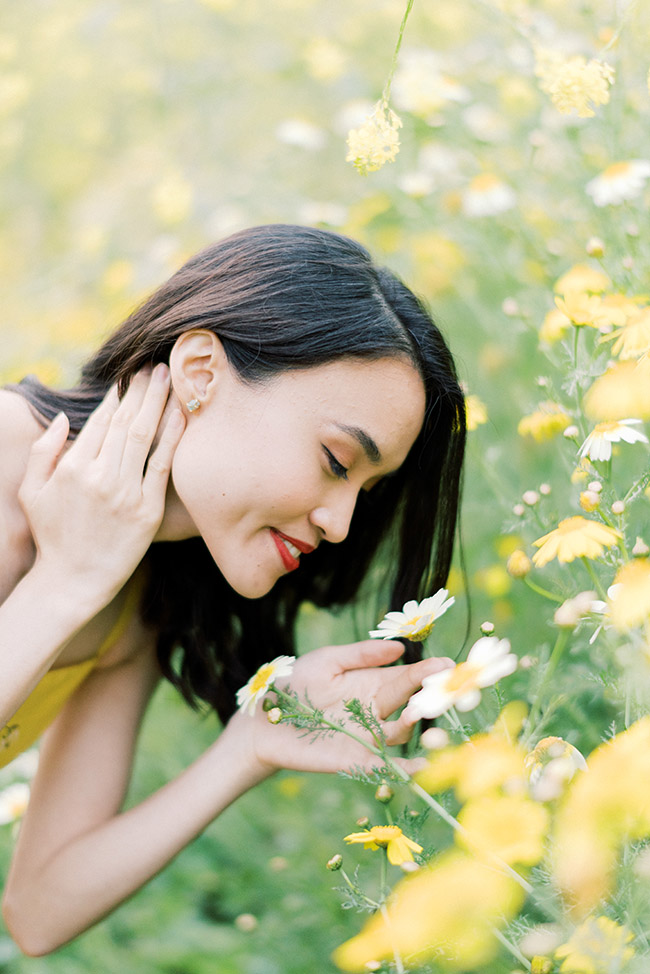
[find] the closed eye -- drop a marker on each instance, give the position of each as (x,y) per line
(337,468)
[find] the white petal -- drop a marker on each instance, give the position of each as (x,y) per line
(468,701)
(486,649)
(493,672)
(410,608)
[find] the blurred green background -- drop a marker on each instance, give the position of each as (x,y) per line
(131,135)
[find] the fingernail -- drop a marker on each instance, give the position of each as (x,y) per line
(161,372)
(57,421)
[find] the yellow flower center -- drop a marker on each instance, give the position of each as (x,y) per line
(262,678)
(616,169)
(606,427)
(485,183)
(383,834)
(463,677)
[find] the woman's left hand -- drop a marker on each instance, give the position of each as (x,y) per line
(327,678)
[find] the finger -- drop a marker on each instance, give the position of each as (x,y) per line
(398,731)
(402,681)
(160,462)
(93,433)
(44,455)
(111,450)
(370,652)
(142,430)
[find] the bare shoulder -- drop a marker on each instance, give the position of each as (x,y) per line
(18,431)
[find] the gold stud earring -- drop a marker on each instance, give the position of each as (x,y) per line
(193,405)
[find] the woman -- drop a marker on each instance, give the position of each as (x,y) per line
(277,393)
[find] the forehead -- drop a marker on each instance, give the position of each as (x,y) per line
(384,398)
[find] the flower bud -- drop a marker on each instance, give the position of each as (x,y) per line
(640,548)
(384,793)
(519,510)
(530,497)
(527,662)
(618,507)
(595,485)
(545,489)
(435,738)
(335,862)
(274,715)
(268,704)
(363,821)
(246,922)
(571,432)
(487,628)
(518,564)
(372,965)
(409,866)
(589,500)
(595,247)
(510,307)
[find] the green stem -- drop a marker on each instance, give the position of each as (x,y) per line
(357,891)
(406,778)
(399,966)
(534,587)
(386,92)
(554,659)
(598,585)
(511,947)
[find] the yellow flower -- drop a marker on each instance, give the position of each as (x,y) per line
(476,413)
(574,83)
(478,766)
(603,809)
(554,327)
(447,911)
(398,847)
(376,141)
(511,827)
(574,537)
(582,277)
(586,309)
(544,423)
(622,391)
(632,340)
(519,564)
(629,602)
(597,946)
(261,681)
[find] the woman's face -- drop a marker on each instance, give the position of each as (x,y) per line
(266,472)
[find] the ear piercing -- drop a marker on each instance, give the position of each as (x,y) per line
(193,405)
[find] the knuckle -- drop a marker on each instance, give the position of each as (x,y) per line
(139,434)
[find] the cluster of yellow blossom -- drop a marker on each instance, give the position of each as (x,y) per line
(376,141)
(547,421)
(574,84)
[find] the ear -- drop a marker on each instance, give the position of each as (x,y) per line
(196,363)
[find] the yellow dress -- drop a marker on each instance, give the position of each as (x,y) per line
(48,697)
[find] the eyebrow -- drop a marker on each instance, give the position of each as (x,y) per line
(369,446)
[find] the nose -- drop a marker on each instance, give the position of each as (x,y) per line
(333,517)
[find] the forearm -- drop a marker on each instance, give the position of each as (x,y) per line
(37,620)
(48,903)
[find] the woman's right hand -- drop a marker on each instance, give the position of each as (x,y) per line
(94,509)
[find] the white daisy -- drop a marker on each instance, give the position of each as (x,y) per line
(619,182)
(416,620)
(487,662)
(598,445)
(262,681)
(13,802)
(487,195)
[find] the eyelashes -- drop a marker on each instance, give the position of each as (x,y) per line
(337,468)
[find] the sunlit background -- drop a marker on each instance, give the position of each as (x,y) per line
(132,134)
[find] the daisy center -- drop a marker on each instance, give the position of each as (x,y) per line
(261,679)
(463,677)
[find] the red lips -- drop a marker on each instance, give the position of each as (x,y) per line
(302,546)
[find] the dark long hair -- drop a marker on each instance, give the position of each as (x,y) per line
(283,297)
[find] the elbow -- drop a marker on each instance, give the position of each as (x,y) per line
(30,936)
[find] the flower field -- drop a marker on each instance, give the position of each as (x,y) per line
(495,154)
